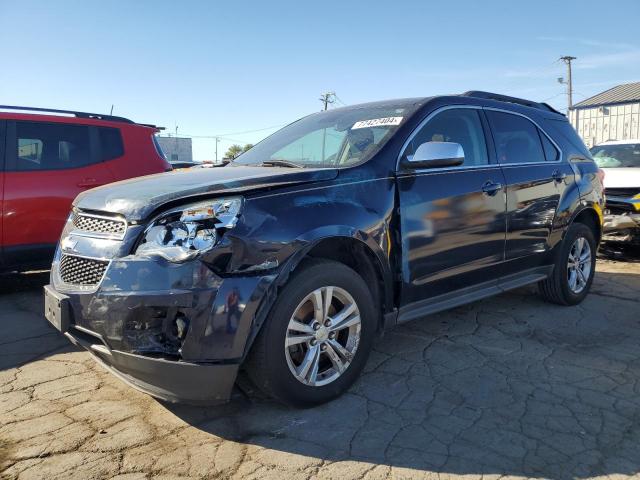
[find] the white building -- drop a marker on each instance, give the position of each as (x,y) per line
(611,115)
(176,149)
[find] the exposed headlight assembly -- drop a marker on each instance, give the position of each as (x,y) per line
(183,233)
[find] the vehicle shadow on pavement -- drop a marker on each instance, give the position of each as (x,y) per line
(22,338)
(505,386)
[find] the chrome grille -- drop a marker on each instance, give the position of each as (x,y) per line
(101,226)
(81,271)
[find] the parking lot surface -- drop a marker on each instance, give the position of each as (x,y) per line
(506,387)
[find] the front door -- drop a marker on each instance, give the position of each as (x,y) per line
(47,166)
(536,179)
(452,219)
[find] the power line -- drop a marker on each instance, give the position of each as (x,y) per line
(234,133)
(339,100)
(253,131)
(531,73)
(552,97)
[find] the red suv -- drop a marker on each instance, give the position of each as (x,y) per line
(47,158)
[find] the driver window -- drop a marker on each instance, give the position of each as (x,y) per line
(458,125)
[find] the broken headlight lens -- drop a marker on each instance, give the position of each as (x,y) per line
(185,232)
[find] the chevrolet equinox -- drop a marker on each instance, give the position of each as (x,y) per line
(288,261)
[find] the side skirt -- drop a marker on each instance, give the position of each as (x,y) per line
(472,294)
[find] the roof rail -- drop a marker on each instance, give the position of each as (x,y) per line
(97,116)
(506,98)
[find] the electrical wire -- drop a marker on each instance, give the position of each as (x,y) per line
(339,100)
(226,135)
(553,96)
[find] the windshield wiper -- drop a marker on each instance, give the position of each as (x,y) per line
(281,163)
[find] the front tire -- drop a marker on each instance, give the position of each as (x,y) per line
(574,268)
(317,338)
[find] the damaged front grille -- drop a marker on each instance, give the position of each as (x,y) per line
(622,192)
(99,225)
(81,271)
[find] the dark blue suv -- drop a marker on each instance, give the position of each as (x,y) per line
(291,259)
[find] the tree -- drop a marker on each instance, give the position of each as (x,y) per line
(247,147)
(233,151)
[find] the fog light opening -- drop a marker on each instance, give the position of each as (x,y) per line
(180,329)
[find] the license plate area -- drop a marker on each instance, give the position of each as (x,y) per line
(56,308)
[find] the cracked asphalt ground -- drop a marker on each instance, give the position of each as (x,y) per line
(509,386)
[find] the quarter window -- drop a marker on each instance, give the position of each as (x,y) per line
(516,138)
(110,143)
(458,125)
(550,151)
(49,146)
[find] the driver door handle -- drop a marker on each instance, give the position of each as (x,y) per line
(490,188)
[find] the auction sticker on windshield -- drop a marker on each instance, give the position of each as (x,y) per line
(377,122)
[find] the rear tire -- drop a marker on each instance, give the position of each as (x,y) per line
(574,268)
(318,356)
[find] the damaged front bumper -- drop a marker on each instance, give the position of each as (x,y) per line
(176,331)
(622,219)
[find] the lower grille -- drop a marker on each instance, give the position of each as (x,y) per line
(82,271)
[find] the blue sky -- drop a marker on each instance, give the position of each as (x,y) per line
(218,68)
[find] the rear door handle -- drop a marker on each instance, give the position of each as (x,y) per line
(491,188)
(88,183)
(558,176)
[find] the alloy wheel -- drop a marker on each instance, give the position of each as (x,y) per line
(579,265)
(322,336)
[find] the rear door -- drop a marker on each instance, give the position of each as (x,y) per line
(452,219)
(47,166)
(536,180)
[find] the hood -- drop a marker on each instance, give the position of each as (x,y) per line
(622,177)
(138,198)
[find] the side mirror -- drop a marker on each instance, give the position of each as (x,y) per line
(436,154)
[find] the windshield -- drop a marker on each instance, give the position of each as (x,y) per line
(617,156)
(336,138)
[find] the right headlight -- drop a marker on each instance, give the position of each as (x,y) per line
(185,232)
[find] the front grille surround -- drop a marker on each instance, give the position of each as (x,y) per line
(81,271)
(98,226)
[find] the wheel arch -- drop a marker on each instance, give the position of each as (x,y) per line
(351,249)
(358,251)
(591,216)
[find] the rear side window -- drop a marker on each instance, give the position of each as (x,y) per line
(51,146)
(516,138)
(3,126)
(111,145)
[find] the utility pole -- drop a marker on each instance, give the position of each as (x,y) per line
(217,141)
(567,59)
(327,99)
